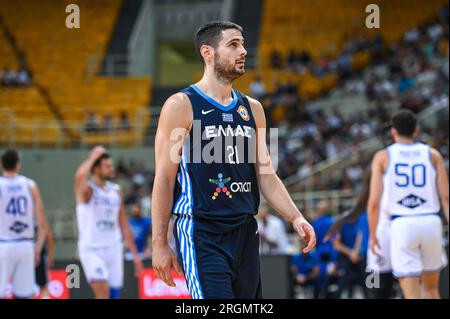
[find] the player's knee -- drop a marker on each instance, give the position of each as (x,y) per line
(430,284)
(431,290)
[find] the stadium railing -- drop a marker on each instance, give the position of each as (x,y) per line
(13,132)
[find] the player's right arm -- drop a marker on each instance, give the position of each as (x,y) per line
(174,122)
(376,189)
(442,180)
(81,186)
(41,221)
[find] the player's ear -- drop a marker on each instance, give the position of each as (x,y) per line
(207,52)
(393,132)
(416,132)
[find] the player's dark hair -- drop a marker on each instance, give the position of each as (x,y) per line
(211,34)
(405,122)
(99,160)
(10,159)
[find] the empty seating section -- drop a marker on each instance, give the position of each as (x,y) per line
(65,61)
(322,28)
(7,56)
(25,117)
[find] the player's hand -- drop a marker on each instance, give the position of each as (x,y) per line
(163,260)
(305,231)
(50,261)
(37,256)
(335,227)
(138,265)
(354,256)
(375,244)
(337,244)
(97,151)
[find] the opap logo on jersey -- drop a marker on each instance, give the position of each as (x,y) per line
(235,187)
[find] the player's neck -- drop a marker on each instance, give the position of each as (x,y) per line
(214,88)
(9,174)
(404,140)
(98,181)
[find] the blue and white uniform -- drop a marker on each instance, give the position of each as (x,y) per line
(215,199)
(16,236)
(100,238)
(412,202)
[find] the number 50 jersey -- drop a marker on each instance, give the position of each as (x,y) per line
(16,209)
(409,182)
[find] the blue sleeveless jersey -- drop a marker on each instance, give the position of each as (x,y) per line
(217,180)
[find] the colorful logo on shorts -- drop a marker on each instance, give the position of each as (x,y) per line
(221,188)
(243,113)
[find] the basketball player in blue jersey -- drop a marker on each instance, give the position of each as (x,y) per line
(412,180)
(211,176)
(102,225)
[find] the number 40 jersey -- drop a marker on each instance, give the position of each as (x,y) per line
(409,182)
(16,209)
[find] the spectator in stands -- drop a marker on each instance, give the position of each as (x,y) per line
(405,83)
(92,123)
(355,85)
(272,232)
(350,262)
(305,270)
(304,58)
(108,122)
(23,78)
(344,64)
(412,35)
(141,227)
(275,60)
(292,60)
(121,169)
(334,147)
(326,254)
(124,121)
(257,88)
(9,77)
(353,174)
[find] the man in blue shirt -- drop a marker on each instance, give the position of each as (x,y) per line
(141,228)
(326,254)
(351,263)
(305,269)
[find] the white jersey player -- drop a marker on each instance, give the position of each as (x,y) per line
(101,224)
(412,179)
(20,209)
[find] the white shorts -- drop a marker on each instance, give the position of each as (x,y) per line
(17,265)
(417,246)
(103,264)
(382,263)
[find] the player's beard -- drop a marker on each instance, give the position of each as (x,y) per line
(226,72)
(107,178)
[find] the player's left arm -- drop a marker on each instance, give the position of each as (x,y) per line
(376,190)
(271,185)
(50,249)
(128,237)
(41,220)
(442,180)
